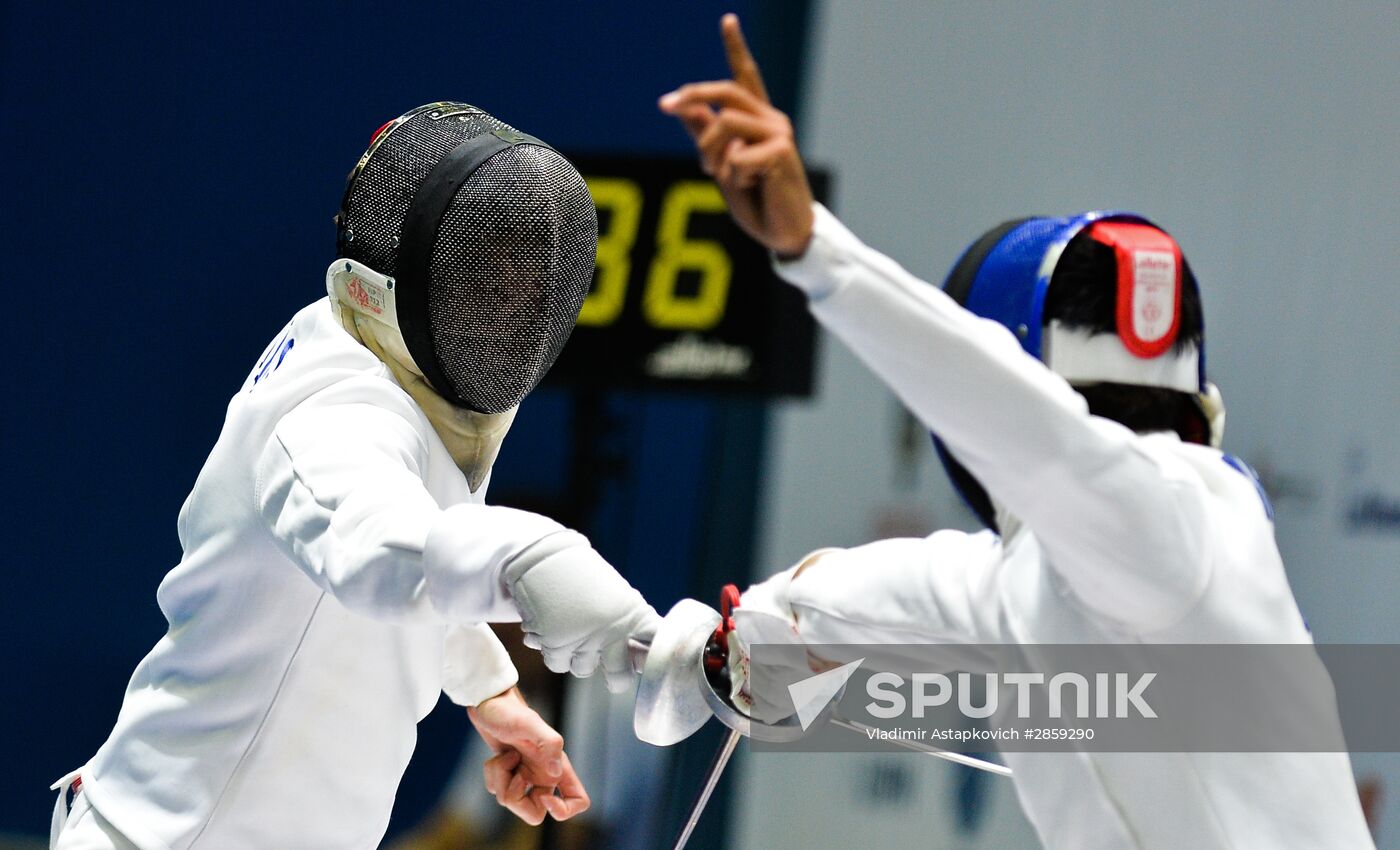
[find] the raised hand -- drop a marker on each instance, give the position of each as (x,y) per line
(748,147)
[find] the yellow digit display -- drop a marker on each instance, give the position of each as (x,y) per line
(622,199)
(680,297)
(662,305)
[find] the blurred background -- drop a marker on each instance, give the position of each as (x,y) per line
(172,173)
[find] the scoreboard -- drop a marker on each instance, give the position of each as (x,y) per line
(681,297)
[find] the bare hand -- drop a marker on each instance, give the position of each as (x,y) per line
(749,149)
(530,764)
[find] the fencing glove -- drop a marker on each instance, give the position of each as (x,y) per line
(576,610)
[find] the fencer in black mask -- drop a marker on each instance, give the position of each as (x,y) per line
(340,563)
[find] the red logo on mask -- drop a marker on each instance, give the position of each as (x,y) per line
(1149,284)
(361,296)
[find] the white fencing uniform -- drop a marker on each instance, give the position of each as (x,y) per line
(326,596)
(1109,537)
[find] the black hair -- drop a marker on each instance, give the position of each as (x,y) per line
(1083,294)
(1144,409)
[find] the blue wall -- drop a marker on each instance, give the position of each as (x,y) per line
(171,177)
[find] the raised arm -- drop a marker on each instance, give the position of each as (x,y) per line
(1121,522)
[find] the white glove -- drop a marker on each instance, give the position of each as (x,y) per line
(764,616)
(576,610)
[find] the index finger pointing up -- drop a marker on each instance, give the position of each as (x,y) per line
(741,61)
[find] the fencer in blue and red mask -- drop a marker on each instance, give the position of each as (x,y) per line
(1061,369)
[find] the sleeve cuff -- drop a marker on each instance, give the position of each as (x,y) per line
(475,666)
(465,551)
(816,272)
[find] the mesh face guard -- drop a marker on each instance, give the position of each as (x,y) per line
(489,235)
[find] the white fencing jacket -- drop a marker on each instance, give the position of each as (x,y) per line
(315,616)
(1116,538)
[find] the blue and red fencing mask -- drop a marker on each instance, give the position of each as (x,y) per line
(1141,337)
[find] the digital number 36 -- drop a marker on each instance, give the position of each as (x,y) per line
(663,305)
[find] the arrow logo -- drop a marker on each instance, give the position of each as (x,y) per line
(811,695)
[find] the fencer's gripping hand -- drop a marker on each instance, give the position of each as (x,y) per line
(748,147)
(576,610)
(764,615)
(530,773)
